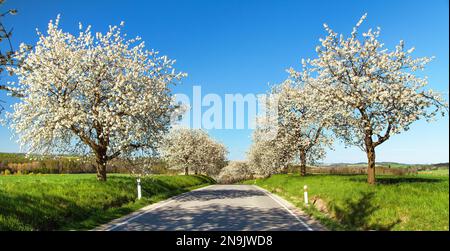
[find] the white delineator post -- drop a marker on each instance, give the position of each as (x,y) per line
(305,194)
(139,193)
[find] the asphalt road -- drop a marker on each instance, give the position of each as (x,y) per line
(218,208)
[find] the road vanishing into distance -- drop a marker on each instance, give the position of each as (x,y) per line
(217,208)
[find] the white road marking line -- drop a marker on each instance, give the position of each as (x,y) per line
(286,208)
(153,208)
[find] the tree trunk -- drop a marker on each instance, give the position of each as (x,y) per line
(101,169)
(302,163)
(186,171)
(370,150)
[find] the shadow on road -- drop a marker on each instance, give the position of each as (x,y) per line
(215,218)
(205,195)
(223,208)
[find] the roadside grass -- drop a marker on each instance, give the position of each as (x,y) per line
(439,172)
(79,201)
(414,202)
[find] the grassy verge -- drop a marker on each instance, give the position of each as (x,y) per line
(416,202)
(79,201)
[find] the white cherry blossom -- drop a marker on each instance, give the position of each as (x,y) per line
(92,93)
(374,92)
(193,150)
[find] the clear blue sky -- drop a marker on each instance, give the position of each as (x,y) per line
(241,46)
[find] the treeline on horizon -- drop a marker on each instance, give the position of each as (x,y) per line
(19,163)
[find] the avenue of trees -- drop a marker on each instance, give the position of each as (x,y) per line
(355,89)
(108,97)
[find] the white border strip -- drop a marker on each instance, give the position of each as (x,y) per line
(285,207)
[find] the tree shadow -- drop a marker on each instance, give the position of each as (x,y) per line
(214,217)
(45,210)
(205,195)
(398,180)
(29,212)
(160,187)
(225,209)
(355,214)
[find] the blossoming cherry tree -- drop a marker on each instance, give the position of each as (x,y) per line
(100,94)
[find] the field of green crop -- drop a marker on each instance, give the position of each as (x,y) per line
(439,172)
(415,202)
(79,201)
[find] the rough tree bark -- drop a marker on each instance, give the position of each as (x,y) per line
(370,151)
(101,170)
(101,161)
(302,163)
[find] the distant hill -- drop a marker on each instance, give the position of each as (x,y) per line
(441,165)
(386,164)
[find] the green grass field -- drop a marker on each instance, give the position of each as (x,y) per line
(416,202)
(79,201)
(439,172)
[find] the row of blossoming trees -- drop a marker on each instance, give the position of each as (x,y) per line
(105,96)
(355,90)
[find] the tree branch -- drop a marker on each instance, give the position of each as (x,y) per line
(386,136)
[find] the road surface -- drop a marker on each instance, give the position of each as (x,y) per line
(217,208)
